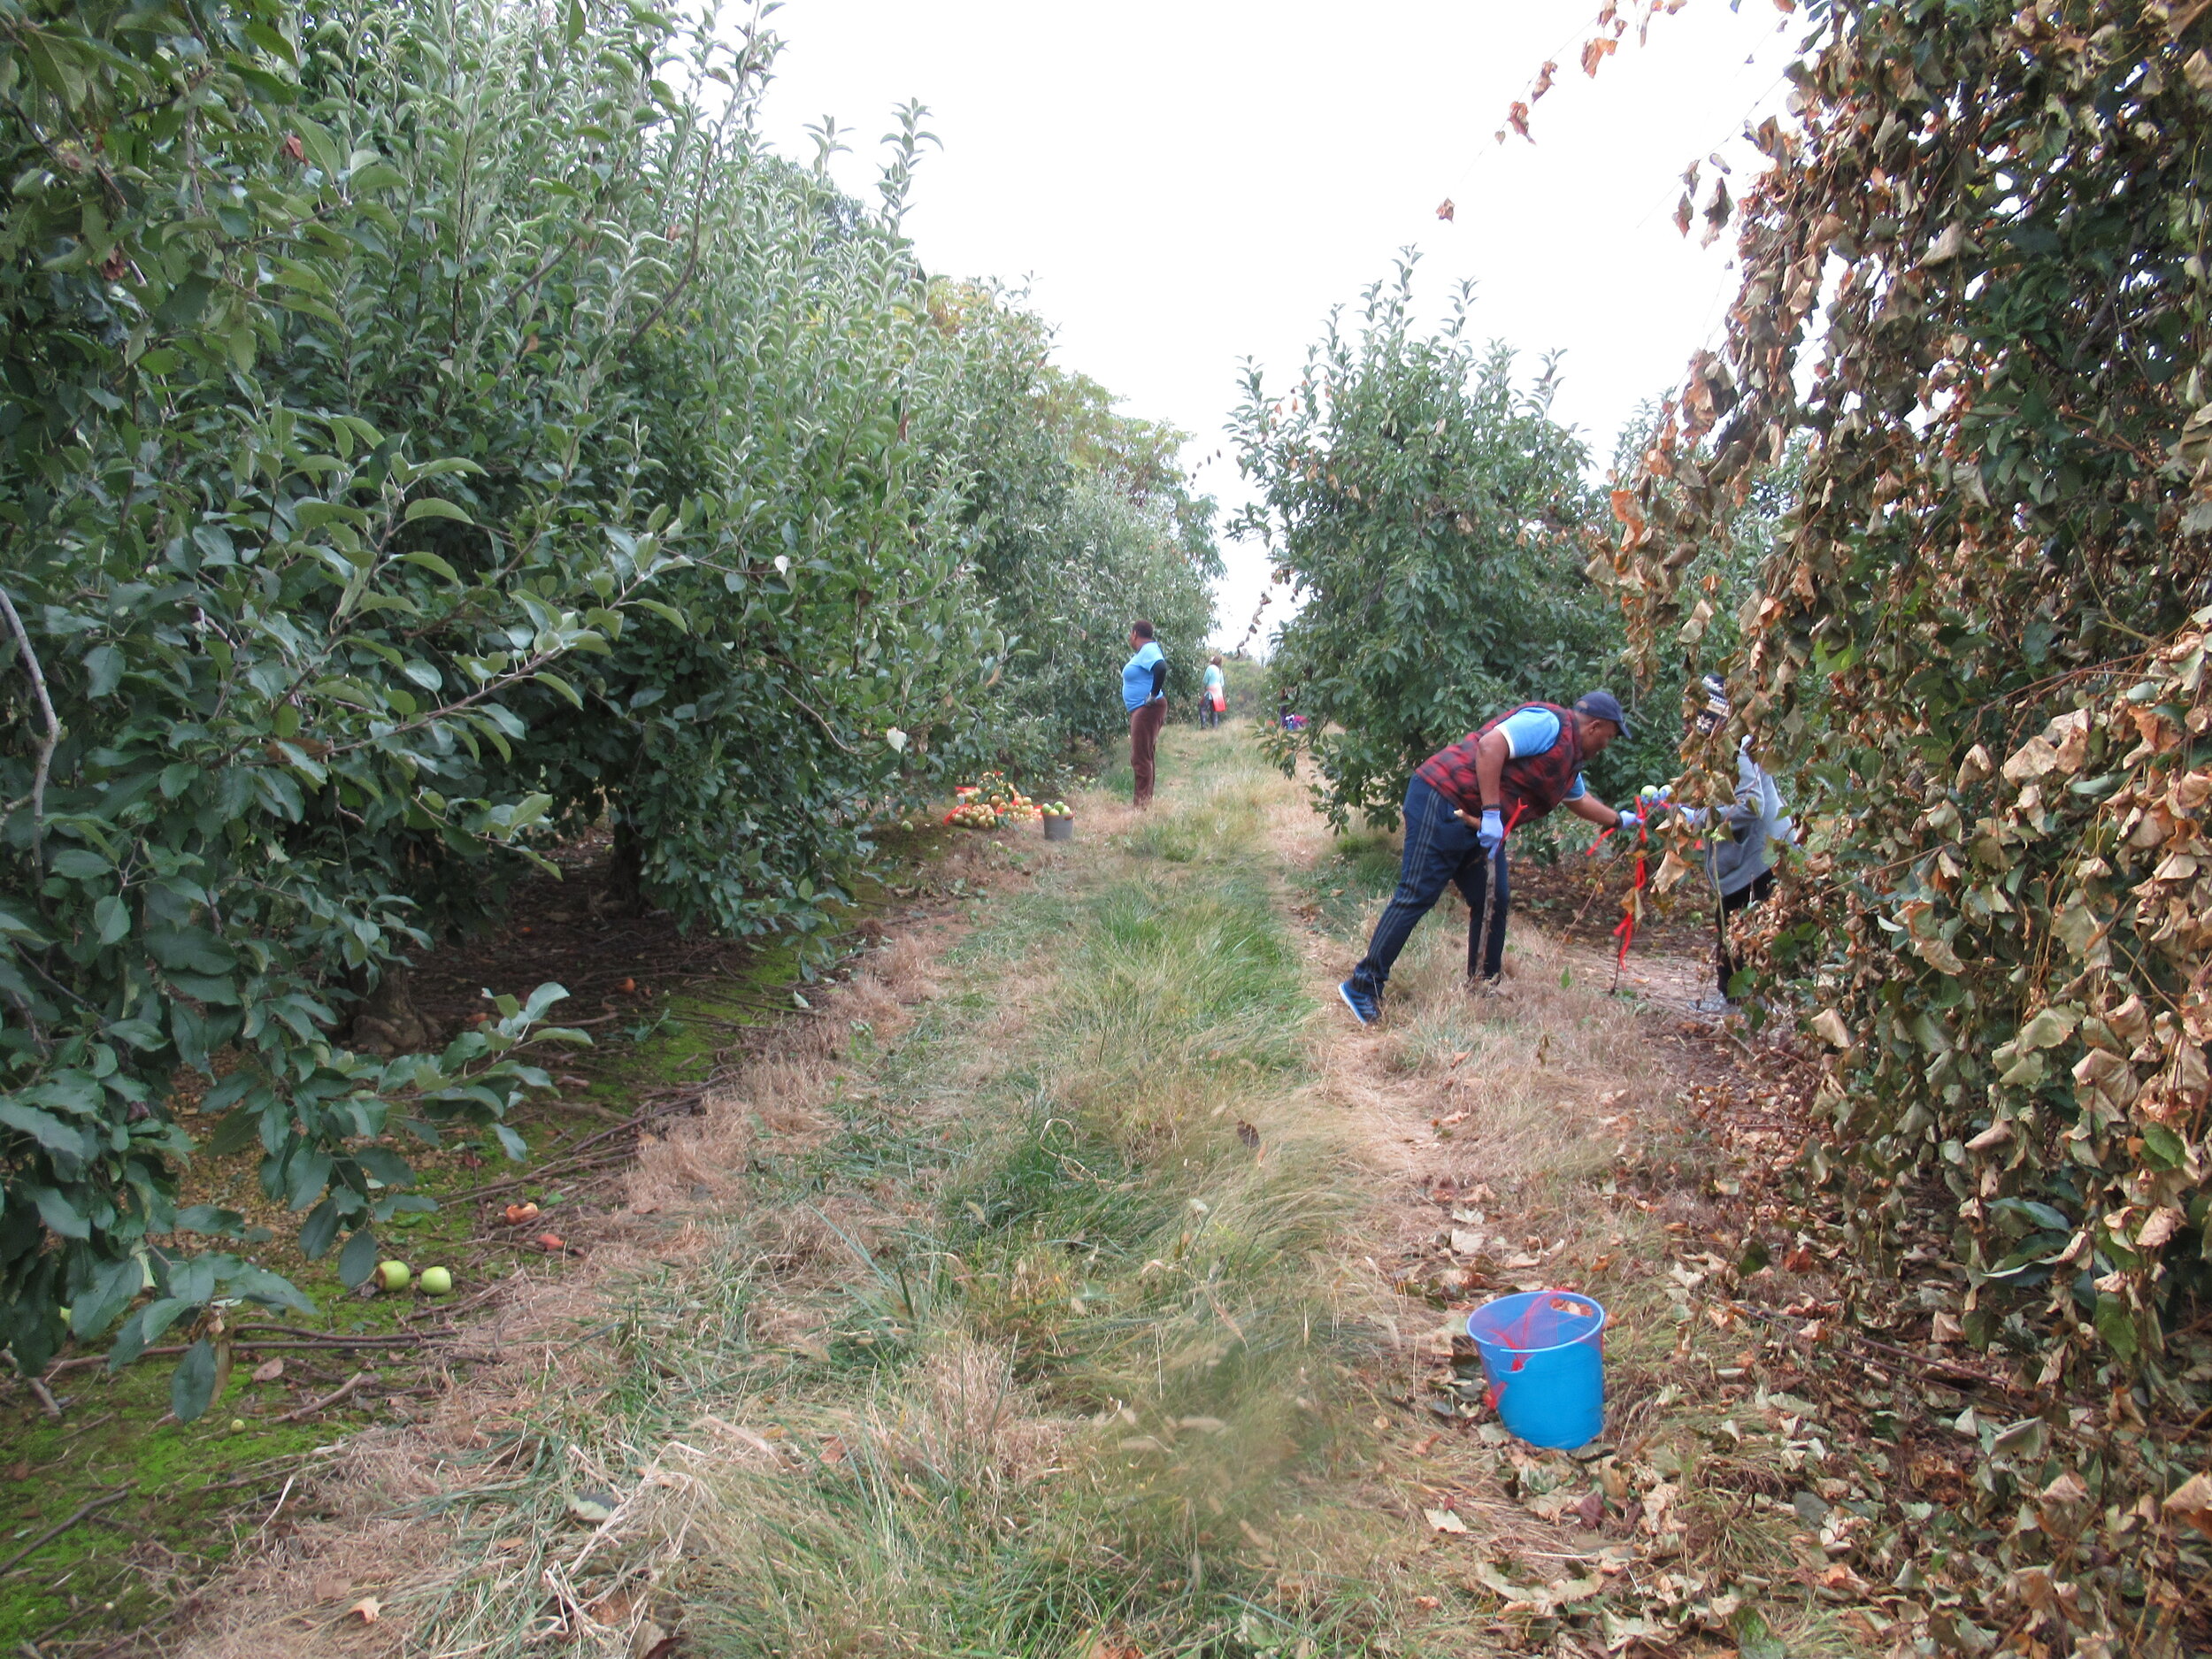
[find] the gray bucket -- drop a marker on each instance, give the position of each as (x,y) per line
(1059,829)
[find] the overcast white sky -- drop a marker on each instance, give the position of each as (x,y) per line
(1185,184)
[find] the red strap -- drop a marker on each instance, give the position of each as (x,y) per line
(1626,931)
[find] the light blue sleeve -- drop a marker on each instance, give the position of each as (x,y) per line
(1531,732)
(1579,790)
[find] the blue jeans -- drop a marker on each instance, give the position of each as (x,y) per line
(1439,850)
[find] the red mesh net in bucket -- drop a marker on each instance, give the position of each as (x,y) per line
(1550,1320)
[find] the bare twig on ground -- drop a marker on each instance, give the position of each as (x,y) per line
(328,1401)
(92,1507)
(573,1164)
(310,1342)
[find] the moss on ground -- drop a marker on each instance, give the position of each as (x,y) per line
(164,1502)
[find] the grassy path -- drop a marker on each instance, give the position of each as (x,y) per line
(1073,1286)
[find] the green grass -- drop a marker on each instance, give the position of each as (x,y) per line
(1348,882)
(1082,1374)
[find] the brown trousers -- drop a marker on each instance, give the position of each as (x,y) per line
(1144,739)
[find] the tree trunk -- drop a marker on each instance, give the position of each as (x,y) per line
(625,872)
(385,1021)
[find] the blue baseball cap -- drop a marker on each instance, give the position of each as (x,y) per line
(1602,705)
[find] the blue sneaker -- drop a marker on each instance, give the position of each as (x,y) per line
(1364,1008)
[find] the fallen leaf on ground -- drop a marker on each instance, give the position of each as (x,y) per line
(268,1371)
(590,1508)
(1445,1521)
(368,1608)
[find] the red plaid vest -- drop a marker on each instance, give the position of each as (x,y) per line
(1531,784)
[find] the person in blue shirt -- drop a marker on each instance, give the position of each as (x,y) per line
(1144,693)
(1213,699)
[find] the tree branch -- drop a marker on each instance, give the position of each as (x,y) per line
(828,731)
(51,740)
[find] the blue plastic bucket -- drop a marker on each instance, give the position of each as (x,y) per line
(1544,1354)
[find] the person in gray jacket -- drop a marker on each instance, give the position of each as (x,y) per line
(1739,847)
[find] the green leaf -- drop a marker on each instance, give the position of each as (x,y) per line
(79,863)
(51,1133)
(357,1260)
(2042,1214)
(192,1385)
(59,1213)
(320,1231)
(103,670)
(431,562)
(237,1131)
(2117,1324)
(2165,1150)
(306,1176)
(270,1290)
(185,302)
(271,41)
(374,176)
(432,507)
(113,918)
(144,1328)
(210,1220)
(386,1165)
(115,1285)
(547,677)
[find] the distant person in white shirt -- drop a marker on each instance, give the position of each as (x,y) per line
(1213,701)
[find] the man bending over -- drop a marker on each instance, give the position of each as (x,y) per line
(1460,803)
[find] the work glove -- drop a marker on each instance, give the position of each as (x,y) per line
(1493,830)
(1630,821)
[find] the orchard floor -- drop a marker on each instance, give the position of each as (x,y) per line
(1080,1282)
